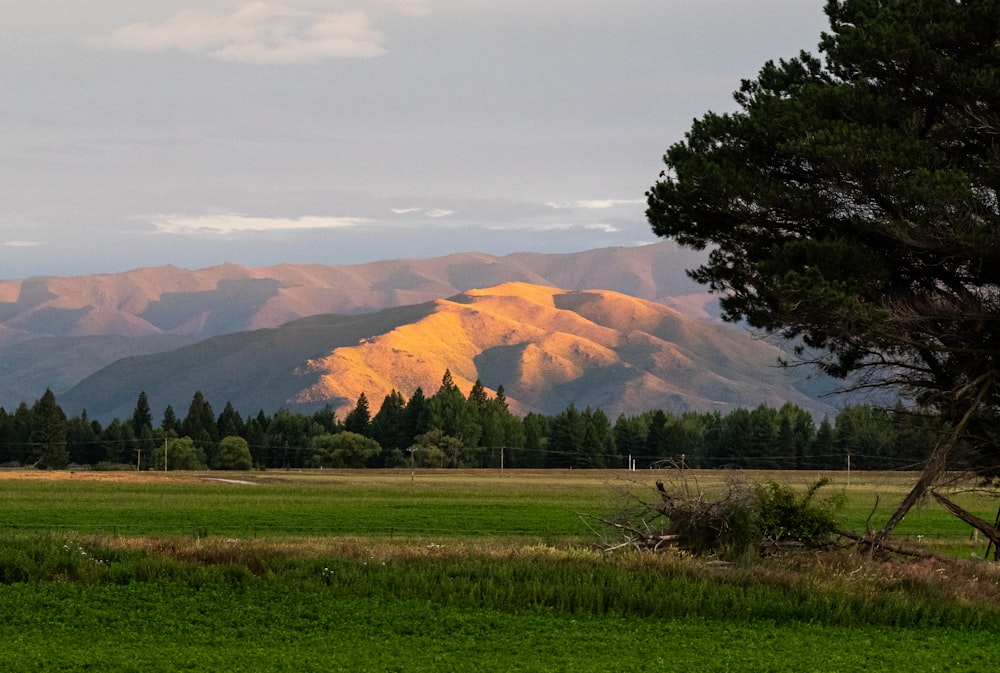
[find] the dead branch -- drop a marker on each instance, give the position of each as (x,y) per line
(640,539)
(984,527)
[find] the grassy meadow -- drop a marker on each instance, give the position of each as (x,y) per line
(458,570)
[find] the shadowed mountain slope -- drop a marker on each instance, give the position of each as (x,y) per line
(226,299)
(59,363)
(547,347)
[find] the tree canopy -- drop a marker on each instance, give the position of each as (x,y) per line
(851,205)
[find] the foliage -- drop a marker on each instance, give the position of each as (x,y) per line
(436,449)
(764,437)
(234,454)
(48,433)
(358,420)
(344,449)
(786,516)
(851,206)
(179,454)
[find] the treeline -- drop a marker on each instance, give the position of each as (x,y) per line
(450,429)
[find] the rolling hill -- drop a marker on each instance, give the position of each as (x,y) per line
(55,331)
(548,347)
(231,298)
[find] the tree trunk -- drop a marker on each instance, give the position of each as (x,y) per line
(933,469)
(940,457)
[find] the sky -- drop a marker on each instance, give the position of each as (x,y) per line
(137,133)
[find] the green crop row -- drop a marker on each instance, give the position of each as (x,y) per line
(73,603)
(146,627)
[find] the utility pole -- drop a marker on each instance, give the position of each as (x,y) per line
(164,454)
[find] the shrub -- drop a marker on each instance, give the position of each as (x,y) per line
(785,517)
(744,519)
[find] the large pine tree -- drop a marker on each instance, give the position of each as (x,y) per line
(852,203)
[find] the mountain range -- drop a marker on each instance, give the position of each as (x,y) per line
(623,329)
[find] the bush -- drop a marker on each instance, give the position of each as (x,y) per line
(785,517)
(744,519)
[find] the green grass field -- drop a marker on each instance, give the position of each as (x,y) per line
(447,503)
(457,571)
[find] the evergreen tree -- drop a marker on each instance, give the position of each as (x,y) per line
(804,431)
(823,455)
(566,438)
(537,429)
(389,424)
(416,418)
(288,436)
(686,438)
(170,425)
(21,426)
(762,453)
(630,436)
(200,426)
(656,436)
(501,397)
(8,455)
(477,396)
(450,412)
(737,440)
(48,433)
(597,446)
(141,416)
(786,445)
(257,442)
(851,205)
(326,418)
(230,423)
(118,443)
(83,441)
(359,419)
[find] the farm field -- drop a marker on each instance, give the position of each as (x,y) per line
(455,570)
(538,504)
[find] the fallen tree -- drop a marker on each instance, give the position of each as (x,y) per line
(745,518)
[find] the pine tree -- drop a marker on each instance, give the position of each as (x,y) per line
(142,416)
(359,419)
(48,434)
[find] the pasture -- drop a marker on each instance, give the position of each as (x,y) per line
(457,570)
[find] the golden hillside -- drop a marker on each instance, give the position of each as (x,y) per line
(549,347)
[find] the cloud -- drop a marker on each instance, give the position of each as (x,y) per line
(429,212)
(607,228)
(23,244)
(597,204)
(439,212)
(230,223)
(256,32)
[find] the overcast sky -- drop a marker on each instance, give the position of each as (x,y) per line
(147,132)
